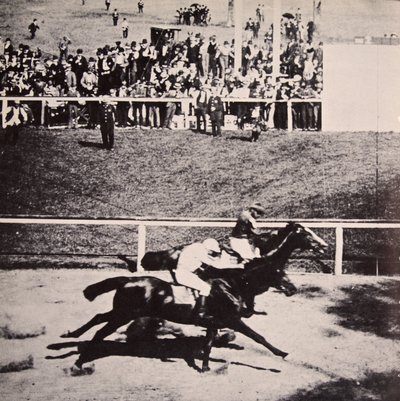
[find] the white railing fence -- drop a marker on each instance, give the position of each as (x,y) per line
(142,223)
(187,104)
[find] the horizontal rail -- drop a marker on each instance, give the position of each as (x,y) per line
(196,222)
(144,222)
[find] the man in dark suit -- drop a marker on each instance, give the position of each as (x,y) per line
(201,108)
(107,122)
(216,112)
(79,66)
(33,27)
(115,16)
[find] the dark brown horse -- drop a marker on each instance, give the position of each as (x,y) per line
(168,259)
(151,297)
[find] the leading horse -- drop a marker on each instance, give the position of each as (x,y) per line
(152,297)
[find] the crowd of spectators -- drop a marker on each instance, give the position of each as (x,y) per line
(178,68)
(196,14)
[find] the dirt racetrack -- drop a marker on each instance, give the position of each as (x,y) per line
(341,332)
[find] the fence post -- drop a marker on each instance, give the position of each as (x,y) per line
(141,245)
(289,116)
(339,251)
(3,113)
(42,112)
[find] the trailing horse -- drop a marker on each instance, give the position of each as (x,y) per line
(151,297)
(167,259)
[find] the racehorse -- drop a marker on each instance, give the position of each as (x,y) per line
(167,259)
(151,297)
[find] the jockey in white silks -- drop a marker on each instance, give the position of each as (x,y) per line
(245,227)
(192,258)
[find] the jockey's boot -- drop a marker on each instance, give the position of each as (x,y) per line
(201,308)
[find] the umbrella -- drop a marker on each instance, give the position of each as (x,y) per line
(288,15)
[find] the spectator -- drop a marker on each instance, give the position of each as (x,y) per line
(79,66)
(216,112)
(16,115)
(140,5)
(153,108)
(107,122)
(63,47)
(212,51)
(224,52)
(122,107)
(201,108)
(170,109)
(33,27)
(108,3)
(115,16)
(125,28)
(71,85)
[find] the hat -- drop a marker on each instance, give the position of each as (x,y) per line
(144,41)
(211,245)
(257,207)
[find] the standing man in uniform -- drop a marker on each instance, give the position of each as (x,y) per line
(107,123)
(108,3)
(216,112)
(244,230)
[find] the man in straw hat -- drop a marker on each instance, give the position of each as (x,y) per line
(244,230)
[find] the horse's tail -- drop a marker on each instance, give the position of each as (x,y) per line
(161,260)
(110,284)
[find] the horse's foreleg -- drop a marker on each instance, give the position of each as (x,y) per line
(210,337)
(241,327)
(98,319)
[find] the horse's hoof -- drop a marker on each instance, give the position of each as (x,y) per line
(205,369)
(68,334)
(284,355)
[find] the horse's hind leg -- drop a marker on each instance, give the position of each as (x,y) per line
(113,324)
(98,319)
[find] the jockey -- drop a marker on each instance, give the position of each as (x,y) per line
(245,228)
(191,258)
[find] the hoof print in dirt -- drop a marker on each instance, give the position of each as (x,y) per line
(76,371)
(222,370)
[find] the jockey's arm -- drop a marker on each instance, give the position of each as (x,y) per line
(222,263)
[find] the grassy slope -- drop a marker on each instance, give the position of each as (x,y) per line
(182,174)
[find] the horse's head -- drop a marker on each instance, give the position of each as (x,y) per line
(306,239)
(279,279)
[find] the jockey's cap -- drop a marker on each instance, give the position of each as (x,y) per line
(211,245)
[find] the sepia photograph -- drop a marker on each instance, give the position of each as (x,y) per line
(200,201)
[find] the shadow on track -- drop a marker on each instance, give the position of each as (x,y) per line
(187,348)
